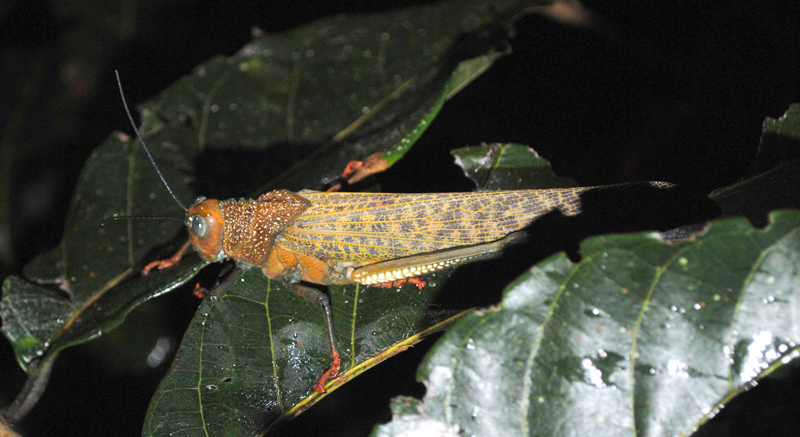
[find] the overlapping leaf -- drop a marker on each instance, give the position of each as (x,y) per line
(512,166)
(641,337)
(771,182)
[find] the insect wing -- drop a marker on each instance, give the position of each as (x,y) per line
(365,228)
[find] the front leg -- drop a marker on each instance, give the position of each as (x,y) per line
(220,289)
(169,262)
(321,299)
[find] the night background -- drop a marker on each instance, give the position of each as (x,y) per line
(665,91)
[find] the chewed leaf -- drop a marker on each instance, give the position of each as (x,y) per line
(772,181)
(509,165)
(641,337)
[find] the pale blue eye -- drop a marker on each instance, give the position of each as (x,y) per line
(199,226)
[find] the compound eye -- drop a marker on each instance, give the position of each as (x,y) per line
(199,227)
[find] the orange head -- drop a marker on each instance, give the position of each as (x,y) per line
(204,222)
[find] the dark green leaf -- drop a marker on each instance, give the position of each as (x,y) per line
(257,352)
(337,89)
(94,271)
(510,166)
(641,337)
(772,181)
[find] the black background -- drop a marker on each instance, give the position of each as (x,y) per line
(671,91)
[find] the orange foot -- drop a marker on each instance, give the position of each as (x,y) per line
(356,171)
(199,291)
(419,282)
(169,262)
(319,387)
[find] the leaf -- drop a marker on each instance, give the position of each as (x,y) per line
(351,86)
(92,272)
(641,337)
(512,166)
(256,354)
(320,95)
(771,181)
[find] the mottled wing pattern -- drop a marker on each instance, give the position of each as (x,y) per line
(365,228)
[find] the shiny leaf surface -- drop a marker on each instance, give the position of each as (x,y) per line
(640,337)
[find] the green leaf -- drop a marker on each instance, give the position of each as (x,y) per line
(771,182)
(641,337)
(90,282)
(255,355)
(302,103)
(338,89)
(511,166)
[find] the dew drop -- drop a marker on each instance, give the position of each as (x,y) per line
(594,312)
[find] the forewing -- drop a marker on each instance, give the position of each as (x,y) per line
(365,228)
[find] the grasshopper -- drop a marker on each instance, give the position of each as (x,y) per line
(326,238)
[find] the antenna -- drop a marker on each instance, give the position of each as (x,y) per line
(139,217)
(141,140)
